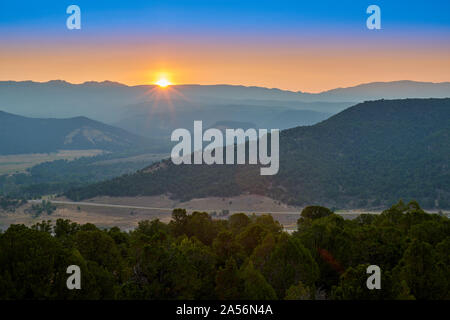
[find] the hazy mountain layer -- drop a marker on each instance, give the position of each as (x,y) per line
(107,101)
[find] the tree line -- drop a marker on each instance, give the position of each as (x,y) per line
(241,257)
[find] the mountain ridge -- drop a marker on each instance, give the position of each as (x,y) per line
(371,154)
(20,135)
(108,83)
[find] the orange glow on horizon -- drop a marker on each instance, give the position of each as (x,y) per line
(285,66)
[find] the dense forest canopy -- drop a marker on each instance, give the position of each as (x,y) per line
(369,155)
(243,257)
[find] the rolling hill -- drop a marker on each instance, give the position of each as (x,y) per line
(369,155)
(19,135)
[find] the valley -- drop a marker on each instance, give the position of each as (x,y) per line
(126,212)
(113,177)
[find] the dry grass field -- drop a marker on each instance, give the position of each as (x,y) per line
(126,212)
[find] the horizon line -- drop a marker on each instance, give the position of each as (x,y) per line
(220,84)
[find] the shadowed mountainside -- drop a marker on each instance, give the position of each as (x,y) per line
(366,156)
(32,135)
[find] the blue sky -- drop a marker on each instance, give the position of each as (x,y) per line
(223,16)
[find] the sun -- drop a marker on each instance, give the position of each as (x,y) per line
(163,82)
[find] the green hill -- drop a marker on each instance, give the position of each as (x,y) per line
(33,135)
(368,155)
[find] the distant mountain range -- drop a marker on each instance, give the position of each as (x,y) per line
(153,112)
(152,120)
(369,155)
(33,135)
(385,90)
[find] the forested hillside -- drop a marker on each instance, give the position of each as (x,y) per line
(58,176)
(369,155)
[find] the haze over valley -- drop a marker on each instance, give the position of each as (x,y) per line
(334,153)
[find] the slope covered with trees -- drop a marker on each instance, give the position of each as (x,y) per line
(196,257)
(369,155)
(58,176)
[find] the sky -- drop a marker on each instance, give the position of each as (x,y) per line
(308,46)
